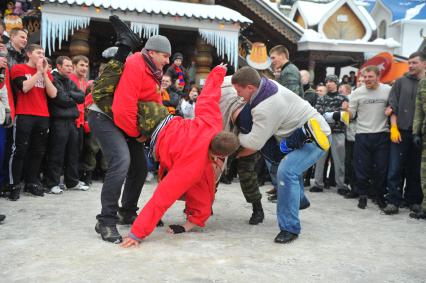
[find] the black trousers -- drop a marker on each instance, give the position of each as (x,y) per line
(63,153)
(349,172)
(371,155)
(30,135)
(126,162)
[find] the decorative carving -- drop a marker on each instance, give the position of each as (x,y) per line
(79,42)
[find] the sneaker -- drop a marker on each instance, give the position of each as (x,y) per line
(125,36)
(351,195)
(2,218)
(149,177)
(390,209)
(362,202)
(108,233)
(342,191)
(34,189)
(86,178)
(56,190)
(316,189)
(80,187)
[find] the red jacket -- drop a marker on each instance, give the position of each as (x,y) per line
(9,92)
(136,84)
(182,148)
(82,85)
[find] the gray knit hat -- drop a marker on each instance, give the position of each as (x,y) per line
(332,78)
(159,43)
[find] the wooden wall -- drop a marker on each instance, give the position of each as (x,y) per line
(349,30)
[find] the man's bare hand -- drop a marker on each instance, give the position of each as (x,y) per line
(223,66)
(388,111)
(3,62)
(39,65)
(142,139)
(129,242)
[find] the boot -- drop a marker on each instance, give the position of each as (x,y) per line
(125,36)
(257,215)
(15,192)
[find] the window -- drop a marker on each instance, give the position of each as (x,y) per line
(382,29)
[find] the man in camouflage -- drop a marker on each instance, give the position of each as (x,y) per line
(419,139)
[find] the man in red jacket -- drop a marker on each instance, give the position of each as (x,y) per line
(182,146)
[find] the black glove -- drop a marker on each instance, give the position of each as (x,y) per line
(7,120)
(417,140)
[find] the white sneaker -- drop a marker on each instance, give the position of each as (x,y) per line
(56,190)
(80,187)
(149,177)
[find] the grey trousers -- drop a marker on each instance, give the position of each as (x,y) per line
(338,155)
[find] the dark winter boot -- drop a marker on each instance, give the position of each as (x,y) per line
(15,192)
(258,215)
(125,36)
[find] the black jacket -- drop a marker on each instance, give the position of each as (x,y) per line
(14,57)
(64,105)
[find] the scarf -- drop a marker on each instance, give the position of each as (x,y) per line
(156,73)
(179,72)
(266,89)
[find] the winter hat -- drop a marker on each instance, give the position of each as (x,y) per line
(332,78)
(159,43)
(177,55)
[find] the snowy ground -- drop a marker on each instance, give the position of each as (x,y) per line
(52,239)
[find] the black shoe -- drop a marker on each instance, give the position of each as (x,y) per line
(415,207)
(307,183)
(225,180)
(342,191)
(362,202)
(381,203)
(273,198)
(257,215)
(418,215)
(34,189)
(15,192)
(316,189)
(2,217)
(351,195)
(304,205)
(125,36)
(126,217)
(108,233)
(160,223)
(390,209)
(285,237)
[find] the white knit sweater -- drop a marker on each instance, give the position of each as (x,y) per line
(279,115)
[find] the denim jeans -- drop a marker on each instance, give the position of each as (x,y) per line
(290,184)
(404,161)
(126,161)
(272,168)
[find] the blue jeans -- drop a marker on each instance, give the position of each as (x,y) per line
(272,169)
(290,184)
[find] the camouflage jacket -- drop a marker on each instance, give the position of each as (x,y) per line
(419,122)
(290,78)
(332,102)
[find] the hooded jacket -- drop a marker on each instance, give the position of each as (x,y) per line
(402,100)
(14,57)
(64,105)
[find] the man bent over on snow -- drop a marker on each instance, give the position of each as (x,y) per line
(187,145)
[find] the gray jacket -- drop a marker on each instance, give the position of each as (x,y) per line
(402,99)
(290,78)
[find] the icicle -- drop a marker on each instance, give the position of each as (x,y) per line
(226,43)
(57,27)
(144,30)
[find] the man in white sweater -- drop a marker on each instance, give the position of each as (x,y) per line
(278,112)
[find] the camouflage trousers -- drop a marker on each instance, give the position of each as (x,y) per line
(248,177)
(423,172)
(90,150)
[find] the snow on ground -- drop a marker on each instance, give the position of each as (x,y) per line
(52,239)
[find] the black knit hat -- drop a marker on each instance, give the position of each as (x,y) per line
(332,78)
(177,55)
